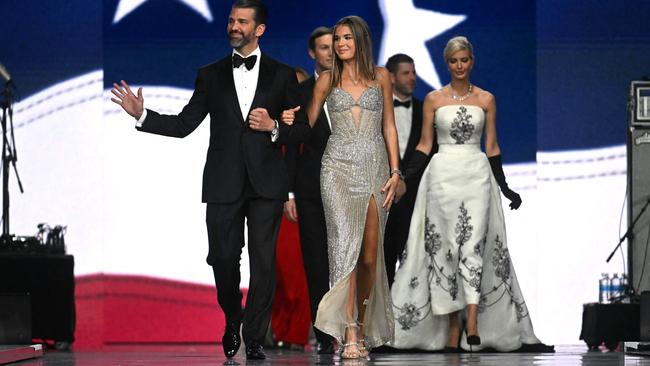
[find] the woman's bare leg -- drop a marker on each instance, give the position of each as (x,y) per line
(454,329)
(367,263)
(472,318)
(351,336)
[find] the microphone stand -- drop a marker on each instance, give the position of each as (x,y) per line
(630,290)
(628,233)
(8,156)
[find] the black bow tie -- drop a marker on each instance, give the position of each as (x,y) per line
(248,61)
(397,103)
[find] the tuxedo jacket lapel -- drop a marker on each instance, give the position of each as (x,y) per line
(229,88)
(416,129)
(413,136)
(264,82)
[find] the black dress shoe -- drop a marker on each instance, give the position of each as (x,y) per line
(325,348)
(231,340)
(255,351)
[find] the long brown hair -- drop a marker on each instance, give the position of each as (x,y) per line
(362,53)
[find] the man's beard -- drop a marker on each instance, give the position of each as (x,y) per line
(241,42)
(405,89)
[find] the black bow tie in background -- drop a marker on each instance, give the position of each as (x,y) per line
(248,61)
(397,103)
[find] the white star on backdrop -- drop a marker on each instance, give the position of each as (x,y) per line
(406,30)
(124,7)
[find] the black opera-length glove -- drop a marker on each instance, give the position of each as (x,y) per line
(416,165)
(497,170)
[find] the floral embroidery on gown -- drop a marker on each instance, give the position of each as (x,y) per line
(457,253)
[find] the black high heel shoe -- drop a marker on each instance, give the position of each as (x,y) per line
(473,340)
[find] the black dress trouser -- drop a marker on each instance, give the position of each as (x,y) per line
(225,224)
(313,242)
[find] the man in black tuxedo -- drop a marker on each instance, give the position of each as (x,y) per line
(304,204)
(408,120)
(245,175)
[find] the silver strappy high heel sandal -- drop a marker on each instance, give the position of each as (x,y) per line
(361,343)
(350,350)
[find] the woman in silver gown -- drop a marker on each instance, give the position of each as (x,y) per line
(456,256)
(359,179)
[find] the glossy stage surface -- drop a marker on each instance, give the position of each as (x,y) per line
(212,355)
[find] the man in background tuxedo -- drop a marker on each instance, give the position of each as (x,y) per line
(304,205)
(245,175)
(408,120)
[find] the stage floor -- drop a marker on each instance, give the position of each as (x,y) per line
(212,355)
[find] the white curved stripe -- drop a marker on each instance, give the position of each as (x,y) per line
(581,164)
(68,93)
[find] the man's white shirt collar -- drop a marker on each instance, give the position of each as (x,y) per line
(402,100)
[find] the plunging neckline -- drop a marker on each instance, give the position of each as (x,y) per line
(356,101)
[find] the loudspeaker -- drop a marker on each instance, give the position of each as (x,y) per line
(645,317)
(15,319)
(638,155)
(639,103)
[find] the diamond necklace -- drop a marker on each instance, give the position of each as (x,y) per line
(460,98)
(355,82)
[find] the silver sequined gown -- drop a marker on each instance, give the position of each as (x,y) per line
(354,168)
(456,253)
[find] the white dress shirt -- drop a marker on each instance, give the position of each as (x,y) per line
(246,82)
(403,122)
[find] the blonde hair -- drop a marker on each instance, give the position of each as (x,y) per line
(363,50)
(458,43)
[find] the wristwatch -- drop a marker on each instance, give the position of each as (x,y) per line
(275,130)
(398,172)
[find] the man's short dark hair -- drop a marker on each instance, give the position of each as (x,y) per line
(317,33)
(397,59)
(261,13)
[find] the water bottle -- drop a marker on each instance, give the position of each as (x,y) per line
(625,288)
(603,289)
(614,288)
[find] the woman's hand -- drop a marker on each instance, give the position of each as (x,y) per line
(514,197)
(289,115)
(388,190)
